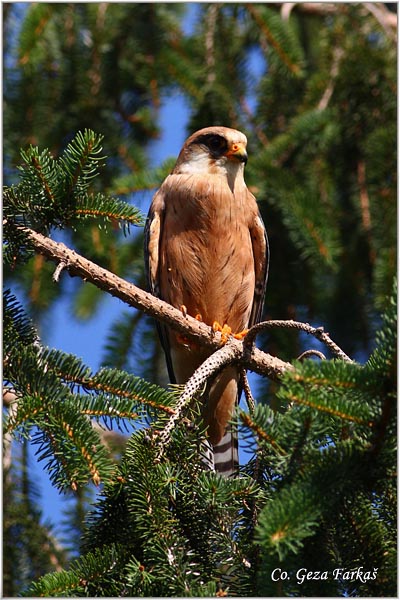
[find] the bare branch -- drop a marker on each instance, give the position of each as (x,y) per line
(385,18)
(59,269)
(309,353)
(338,54)
(286,9)
(317,8)
(317,332)
(251,404)
(242,353)
(251,358)
(209,368)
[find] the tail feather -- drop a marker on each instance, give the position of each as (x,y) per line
(226,454)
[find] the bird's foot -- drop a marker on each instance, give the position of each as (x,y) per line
(226,331)
(241,334)
(184,312)
(182,339)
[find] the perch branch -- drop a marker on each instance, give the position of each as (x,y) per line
(243,353)
(317,332)
(251,403)
(198,332)
(309,353)
(210,367)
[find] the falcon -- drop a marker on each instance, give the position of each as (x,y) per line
(206,253)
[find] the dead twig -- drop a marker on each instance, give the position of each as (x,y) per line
(317,332)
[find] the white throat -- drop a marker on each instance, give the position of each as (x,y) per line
(201,164)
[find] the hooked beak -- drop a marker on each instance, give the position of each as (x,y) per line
(238,152)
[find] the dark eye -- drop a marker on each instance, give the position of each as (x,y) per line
(216,143)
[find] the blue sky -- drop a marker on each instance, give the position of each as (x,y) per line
(85,339)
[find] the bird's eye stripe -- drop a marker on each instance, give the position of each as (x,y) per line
(216,142)
(213,142)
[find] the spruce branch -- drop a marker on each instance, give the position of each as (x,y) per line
(273,39)
(241,353)
(244,354)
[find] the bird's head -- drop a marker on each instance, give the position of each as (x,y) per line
(213,150)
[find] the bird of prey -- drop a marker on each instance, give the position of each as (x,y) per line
(206,253)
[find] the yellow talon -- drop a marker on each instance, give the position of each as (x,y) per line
(241,334)
(183,310)
(216,326)
(199,317)
(225,331)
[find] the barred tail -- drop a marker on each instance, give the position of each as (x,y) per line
(223,457)
(226,454)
